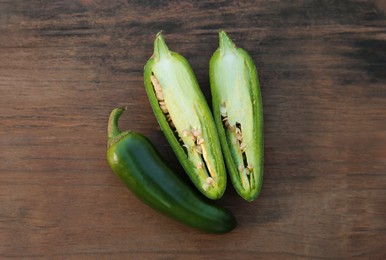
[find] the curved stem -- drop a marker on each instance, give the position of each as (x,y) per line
(112,127)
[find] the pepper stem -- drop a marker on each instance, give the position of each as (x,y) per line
(226,44)
(112,127)
(160,47)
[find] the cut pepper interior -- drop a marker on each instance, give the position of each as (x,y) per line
(190,138)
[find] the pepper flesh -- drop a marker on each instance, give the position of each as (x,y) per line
(237,110)
(185,118)
(140,167)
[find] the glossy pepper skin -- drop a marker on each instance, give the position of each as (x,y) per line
(238,112)
(185,118)
(140,167)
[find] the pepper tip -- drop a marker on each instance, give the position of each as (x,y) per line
(160,47)
(225,42)
(159,34)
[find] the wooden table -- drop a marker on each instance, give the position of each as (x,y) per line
(66,64)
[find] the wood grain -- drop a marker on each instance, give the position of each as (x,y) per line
(65,64)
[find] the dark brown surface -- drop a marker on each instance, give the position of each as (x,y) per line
(65,64)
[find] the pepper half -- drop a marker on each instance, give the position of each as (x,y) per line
(185,118)
(140,167)
(238,113)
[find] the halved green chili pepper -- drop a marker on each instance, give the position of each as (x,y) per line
(135,161)
(237,110)
(185,118)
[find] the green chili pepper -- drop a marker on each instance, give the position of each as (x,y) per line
(238,113)
(135,161)
(185,118)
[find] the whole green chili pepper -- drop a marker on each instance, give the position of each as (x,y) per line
(185,118)
(237,110)
(140,167)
